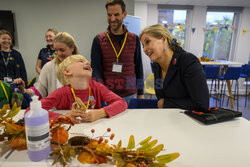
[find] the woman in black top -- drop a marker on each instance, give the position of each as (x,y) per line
(12,68)
(179,78)
(46,54)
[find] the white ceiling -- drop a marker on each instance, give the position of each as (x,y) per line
(241,3)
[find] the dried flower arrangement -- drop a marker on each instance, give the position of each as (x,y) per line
(91,150)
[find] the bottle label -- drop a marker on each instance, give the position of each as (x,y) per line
(37,137)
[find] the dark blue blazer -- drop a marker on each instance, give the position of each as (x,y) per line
(184,85)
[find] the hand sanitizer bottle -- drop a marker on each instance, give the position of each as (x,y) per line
(37,131)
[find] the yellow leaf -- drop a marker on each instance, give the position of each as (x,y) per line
(119,145)
(148,146)
(145,140)
(3,111)
(157,149)
(167,158)
(86,157)
(14,111)
(131,142)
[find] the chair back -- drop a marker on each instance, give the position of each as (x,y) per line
(232,73)
(149,84)
(211,71)
(246,69)
(142,103)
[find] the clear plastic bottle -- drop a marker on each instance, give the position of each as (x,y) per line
(37,131)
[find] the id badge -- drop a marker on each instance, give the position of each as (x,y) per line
(117,67)
(7,79)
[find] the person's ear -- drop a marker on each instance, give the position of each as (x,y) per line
(72,48)
(67,72)
(124,14)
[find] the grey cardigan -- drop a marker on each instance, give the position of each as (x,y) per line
(47,81)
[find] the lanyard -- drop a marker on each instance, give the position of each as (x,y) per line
(6,61)
(4,90)
(117,55)
(72,90)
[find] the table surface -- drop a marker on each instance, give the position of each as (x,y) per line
(225,144)
(222,62)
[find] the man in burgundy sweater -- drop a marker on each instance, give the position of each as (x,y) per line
(116,55)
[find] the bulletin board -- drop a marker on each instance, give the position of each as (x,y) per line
(133,24)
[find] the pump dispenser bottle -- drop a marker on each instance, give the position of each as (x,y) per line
(37,131)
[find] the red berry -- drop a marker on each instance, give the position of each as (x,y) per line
(111,138)
(106,141)
(112,135)
(108,129)
(92,130)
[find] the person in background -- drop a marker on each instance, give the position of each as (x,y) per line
(179,78)
(46,54)
(64,45)
(116,55)
(12,67)
(80,93)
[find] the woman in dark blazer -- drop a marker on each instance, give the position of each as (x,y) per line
(179,78)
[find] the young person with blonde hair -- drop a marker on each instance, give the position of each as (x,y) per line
(179,76)
(81,94)
(64,45)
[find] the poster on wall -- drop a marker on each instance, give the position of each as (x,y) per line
(133,24)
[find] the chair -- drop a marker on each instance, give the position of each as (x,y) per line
(142,103)
(232,73)
(245,73)
(211,73)
(149,85)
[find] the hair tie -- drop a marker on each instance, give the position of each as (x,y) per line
(174,41)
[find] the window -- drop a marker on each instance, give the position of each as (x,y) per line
(174,21)
(218,36)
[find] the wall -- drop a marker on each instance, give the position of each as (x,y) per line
(83,19)
(198,16)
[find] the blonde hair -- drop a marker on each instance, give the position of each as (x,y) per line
(67,39)
(158,31)
(64,66)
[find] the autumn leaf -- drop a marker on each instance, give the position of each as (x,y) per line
(131,142)
(157,149)
(145,140)
(13,128)
(148,146)
(162,159)
(3,111)
(118,158)
(86,157)
(119,145)
(14,111)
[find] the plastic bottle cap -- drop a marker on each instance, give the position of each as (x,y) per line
(35,103)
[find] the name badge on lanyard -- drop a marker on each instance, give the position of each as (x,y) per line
(8,79)
(117,67)
(6,62)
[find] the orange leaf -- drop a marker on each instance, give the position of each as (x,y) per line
(85,157)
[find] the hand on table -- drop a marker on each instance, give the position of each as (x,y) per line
(94,115)
(73,114)
(160,103)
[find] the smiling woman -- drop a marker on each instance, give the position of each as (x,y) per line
(12,66)
(46,54)
(180,74)
(64,45)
